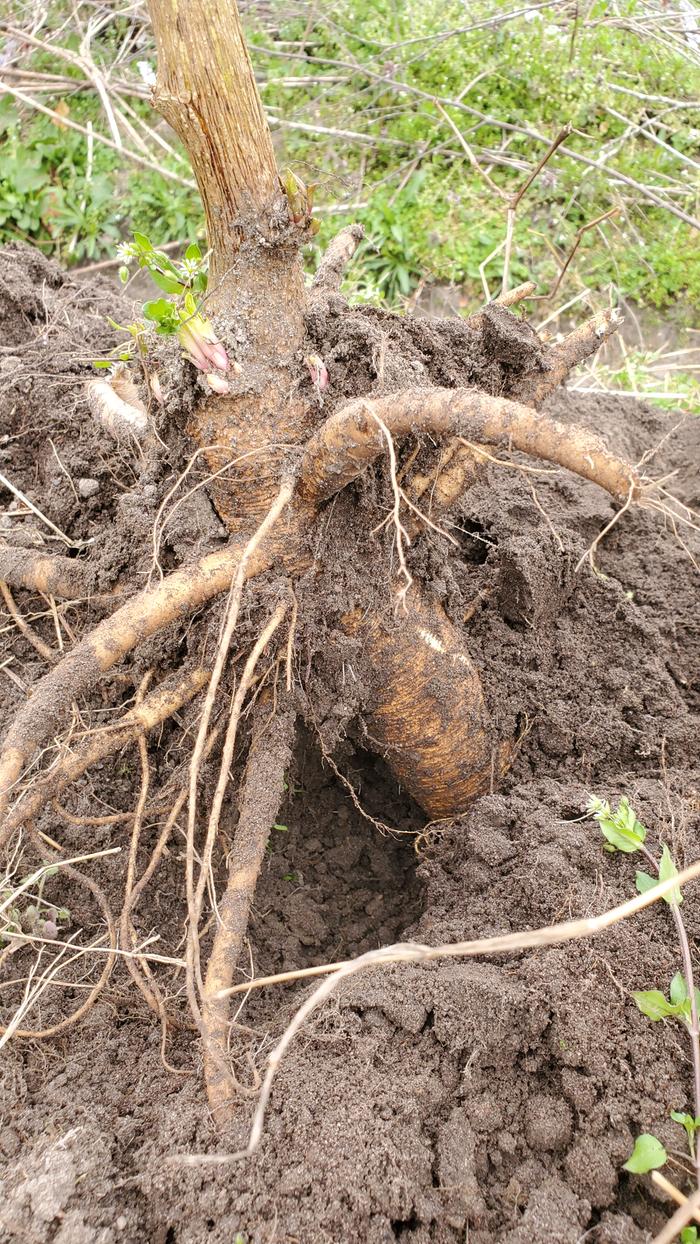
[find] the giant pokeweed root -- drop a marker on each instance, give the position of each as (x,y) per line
(427,717)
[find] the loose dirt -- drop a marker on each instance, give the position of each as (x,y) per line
(490,1101)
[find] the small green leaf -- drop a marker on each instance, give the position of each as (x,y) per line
(143,242)
(655,1006)
(644,882)
(648,1155)
(123,274)
(281,829)
(690,1124)
(679,990)
(621,829)
(102,363)
(158,309)
(193,251)
(689,1235)
(167,283)
(668,869)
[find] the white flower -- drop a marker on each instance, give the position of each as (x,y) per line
(126,251)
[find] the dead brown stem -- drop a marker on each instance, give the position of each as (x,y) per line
(515,199)
(576,243)
(337,256)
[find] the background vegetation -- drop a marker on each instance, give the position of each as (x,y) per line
(350,89)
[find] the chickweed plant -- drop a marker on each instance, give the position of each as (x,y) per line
(25,911)
(177,315)
(624,832)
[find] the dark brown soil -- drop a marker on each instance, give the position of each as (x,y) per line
(488,1101)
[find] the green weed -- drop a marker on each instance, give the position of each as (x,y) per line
(623,832)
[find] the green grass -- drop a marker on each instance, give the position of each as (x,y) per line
(355,65)
(671,380)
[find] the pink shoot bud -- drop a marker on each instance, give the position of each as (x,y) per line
(218,355)
(201,344)
(217,384)
(156,388)
(317,371)
(193,348)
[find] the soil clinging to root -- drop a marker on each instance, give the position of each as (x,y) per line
(493,1101)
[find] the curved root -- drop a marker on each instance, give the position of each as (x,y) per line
(162,703)
(142,616)
(351,440)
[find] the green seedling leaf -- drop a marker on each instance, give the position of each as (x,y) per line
(124,274)
(648,1155)
(193,252)
(668,869)
(102,363)
(689,1235)
(168,284)
(644,882)
(621,829)
(158,309)
(143,242)
(679,989)
(691,1126)
(655,1006)
(281,829)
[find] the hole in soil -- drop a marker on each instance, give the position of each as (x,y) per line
(474,540)
(400,1226)
(333,885)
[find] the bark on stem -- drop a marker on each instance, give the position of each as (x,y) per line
(206,91)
